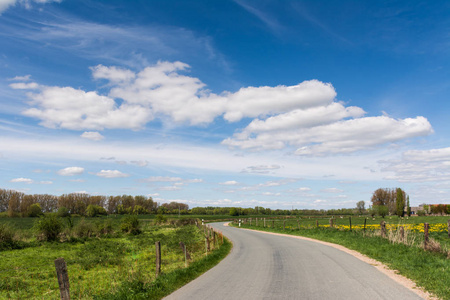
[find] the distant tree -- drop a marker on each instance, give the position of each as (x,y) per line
(400,202)
(34,210)
(381,210)
(360,207)
(234,211)
(408,207)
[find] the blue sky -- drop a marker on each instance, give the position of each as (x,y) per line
(281,104)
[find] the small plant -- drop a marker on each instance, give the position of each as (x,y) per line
(130,224)
(49,227)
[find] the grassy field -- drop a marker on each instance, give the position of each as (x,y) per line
(107,266)
(429,269)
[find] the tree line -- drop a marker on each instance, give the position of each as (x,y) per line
(18,204)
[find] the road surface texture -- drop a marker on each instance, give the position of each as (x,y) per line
(267,266)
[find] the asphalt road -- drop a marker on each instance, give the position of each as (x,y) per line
(265,266)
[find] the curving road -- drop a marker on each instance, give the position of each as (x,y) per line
(266,266)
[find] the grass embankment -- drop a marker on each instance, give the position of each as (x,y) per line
(430,270)
(116,266)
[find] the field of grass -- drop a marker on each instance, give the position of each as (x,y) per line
(115,264)
(429,269)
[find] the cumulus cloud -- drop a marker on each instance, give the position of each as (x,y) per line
(111,174)
(92,135)
(345,136)
(420,166)
(71,171)
(305,118)
(22,180)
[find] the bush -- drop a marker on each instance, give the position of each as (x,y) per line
(421,212)
(130,224)
(49,227)
(95,210)
(34,210)
(105,227)
(84,229)
(160,219)
(6,234)
(63,212)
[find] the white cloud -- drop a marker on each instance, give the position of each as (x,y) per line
(304,118)
(140,163)
(332,190)
(231,182)
(5,4)
(111,174)
(66,107)
(345,136)
(71,171)
(20,78)
(169,188)
(92,135)
(22,180)
(24,86)
(46,182)
(261,169)
(420,166)
(162,179)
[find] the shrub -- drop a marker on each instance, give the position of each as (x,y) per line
(421,212)
(160,219)
(130,224)
(105,227)
(95,210)
(34,210)
(49,227)
(84,229)
(63,212)
(6,234)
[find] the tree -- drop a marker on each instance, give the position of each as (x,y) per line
(34,210)
(234,211)
(360,207)
(408,207)
(400,202)
(381,210)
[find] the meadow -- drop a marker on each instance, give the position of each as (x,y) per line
(429,268)
(109,266)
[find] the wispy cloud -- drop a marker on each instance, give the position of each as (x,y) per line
(270,21)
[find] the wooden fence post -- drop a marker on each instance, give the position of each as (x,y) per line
(284,225)
(256,222)
(250,221)
(63,278)
(402,233)
(331,223)
(365,221)
(317,223)
(158,258)
(350,220)
(383,229)
(264,222)
(426,226)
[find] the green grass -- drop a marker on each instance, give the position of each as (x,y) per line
(428,269)
(107,265)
